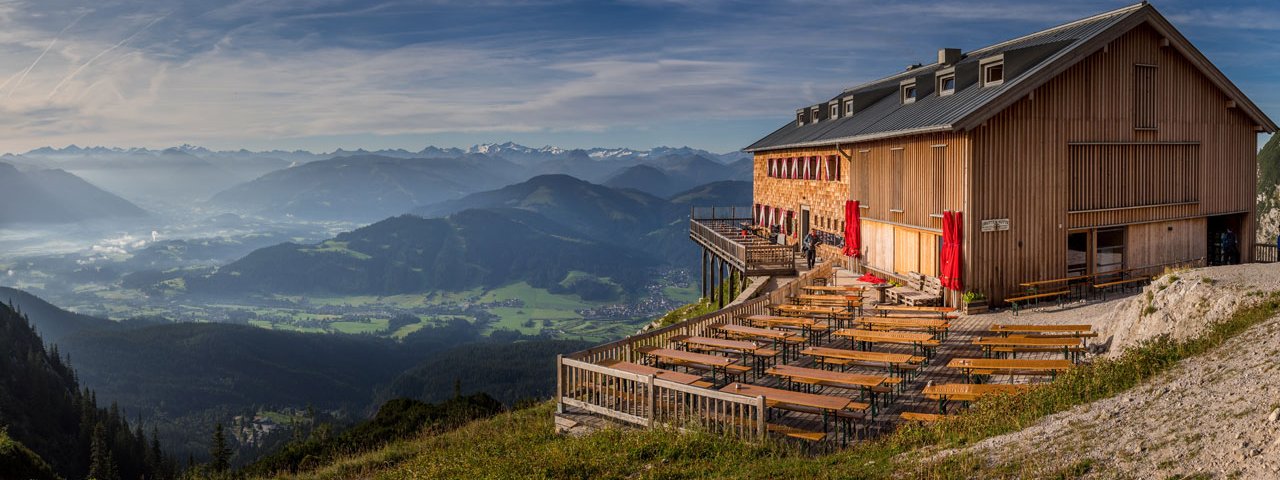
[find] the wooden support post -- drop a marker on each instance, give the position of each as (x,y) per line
(559,384)
(722,292)
(732,283)
(762,411)
(704,272)
(649,409)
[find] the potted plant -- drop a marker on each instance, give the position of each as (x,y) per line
(973,302)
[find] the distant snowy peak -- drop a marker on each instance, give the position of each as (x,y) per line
(512,147)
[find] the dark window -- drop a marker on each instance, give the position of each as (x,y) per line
(1109,254)
(908,93)
(848,107)
(1077,254)
(947,85)
(993,74)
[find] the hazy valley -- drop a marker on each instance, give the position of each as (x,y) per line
(192,287)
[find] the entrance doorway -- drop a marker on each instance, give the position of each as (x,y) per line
(1095,251)
(804,220)
(1224,246)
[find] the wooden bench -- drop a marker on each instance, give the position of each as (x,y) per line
(1122,283)
(929,294)
(1072,350)
(798,433)
(1013,301)
(922,417)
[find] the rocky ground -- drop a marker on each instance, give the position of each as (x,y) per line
(1216,415)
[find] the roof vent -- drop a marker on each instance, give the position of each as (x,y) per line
(948,56)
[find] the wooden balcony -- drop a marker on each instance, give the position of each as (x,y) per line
(719,230)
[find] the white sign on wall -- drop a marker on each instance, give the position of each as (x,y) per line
(995,225)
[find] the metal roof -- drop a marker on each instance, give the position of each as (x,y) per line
(889,117)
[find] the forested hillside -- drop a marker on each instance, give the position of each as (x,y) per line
(43,407)
(410,254)
(1269,191)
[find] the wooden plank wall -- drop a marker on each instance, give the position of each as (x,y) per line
(1021,157)
(1159,243)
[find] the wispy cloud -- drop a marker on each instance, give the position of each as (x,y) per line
(252,71)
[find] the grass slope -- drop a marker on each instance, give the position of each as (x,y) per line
(522,444)
(17,461)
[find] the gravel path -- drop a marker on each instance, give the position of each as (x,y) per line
(1216,415)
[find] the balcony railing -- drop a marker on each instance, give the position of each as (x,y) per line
(719,229)
(1265,253)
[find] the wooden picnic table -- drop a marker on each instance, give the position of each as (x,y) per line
(967,392)
(1055,281)
(808,325)
(919,341)
(720,343)
(850,289)
(886,310)
(991,366)
(783,341)
(1007,329)
(680,357)
(935,326)
(891,361)
(866,383)
(1065,343)
(754,350)
(836,314)
(682,378)
(774,398)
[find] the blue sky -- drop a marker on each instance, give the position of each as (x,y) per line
(323,74)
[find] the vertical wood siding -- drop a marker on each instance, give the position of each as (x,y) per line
(1022,163)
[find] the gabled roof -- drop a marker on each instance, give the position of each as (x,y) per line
(1057,49)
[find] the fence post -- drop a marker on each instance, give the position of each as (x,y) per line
(650,410)
(559,383)
(762,430)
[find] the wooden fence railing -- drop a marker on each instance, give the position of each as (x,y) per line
(1265,253)
(647,401)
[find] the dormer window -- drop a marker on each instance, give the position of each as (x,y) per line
(815,113)
(908,93)
(946,85)
(993,71)
(800,118)
(848,107)
(835,110)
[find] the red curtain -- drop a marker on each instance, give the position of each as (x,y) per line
(951,241)
(852,230)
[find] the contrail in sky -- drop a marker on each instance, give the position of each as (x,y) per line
(104,52)
(46,50)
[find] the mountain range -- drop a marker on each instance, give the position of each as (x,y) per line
(56,196)
(538,231)
(358,185)
(409,254)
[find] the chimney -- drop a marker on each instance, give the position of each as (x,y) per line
(948,56)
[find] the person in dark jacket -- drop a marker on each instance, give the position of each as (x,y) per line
(811,242)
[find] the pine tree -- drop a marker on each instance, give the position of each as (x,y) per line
(219,451)
(102,465)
